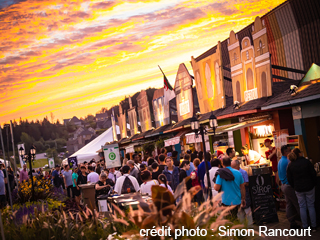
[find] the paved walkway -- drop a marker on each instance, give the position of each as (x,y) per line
(284,224)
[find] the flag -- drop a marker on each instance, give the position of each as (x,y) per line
(167,85)
(168,95)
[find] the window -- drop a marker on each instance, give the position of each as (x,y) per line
(250,83)
(208,81)
(260,46)
(217,70)
(238,92)
(198,85)
(264,88)
(247,54)
(234,58)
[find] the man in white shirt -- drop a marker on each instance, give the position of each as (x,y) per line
(147,184)
(93,177)
(120,180)
(215,165)
(114,175)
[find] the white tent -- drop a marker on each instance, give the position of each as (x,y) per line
(89,151)
(2,161)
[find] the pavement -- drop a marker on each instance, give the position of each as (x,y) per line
(284,224)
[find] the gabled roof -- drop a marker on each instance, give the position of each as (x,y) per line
(312,74)
(86,132)
(75,119)
(304,93)
(99,115)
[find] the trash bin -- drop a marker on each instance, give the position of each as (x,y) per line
(88,195)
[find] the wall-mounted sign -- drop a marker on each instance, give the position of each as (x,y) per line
(209,81)
(250,64)
(122,122)
(184,95)
(144,111)
(132,115)
(250,94)
(112,155)
(184,108)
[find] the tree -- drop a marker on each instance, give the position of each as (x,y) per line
(27,140)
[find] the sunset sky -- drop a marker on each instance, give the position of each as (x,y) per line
(74,57)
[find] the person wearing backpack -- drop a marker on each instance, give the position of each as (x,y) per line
(126,183)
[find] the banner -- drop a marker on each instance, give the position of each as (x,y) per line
(280,139)
(112,155)
(72,162)
(51,163)
(22,162)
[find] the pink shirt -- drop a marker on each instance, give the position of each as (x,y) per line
(23,175)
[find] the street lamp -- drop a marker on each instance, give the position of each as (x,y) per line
(29,158)
(198,129)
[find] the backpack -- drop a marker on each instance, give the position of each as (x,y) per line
(127,184)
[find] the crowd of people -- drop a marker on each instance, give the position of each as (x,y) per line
(297,177)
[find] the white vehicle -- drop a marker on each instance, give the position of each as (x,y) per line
(46,166)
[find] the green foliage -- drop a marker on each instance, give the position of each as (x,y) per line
(160,143)
(148,148)
(27,139)
(52,152)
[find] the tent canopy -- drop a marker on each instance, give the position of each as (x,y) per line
(89,151)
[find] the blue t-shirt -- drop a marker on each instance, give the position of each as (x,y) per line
(192,168)
(231,189)
(202,172)
(244,175)
(68,176)
(282,169)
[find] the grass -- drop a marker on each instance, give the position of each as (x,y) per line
(39,163)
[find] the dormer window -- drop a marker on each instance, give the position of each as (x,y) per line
(260,46)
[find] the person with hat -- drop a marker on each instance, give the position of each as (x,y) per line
(271,154)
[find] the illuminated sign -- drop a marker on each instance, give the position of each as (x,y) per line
(251,94)
(184,108)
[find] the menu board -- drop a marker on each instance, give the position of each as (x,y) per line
(263,205)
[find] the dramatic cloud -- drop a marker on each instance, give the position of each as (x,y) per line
(74,57)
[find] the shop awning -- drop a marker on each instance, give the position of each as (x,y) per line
(236,126)
(192,138)
(130,148)
(175,140)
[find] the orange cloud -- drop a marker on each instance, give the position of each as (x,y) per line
(74,57)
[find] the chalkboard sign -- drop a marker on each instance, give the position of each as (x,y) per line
(263,205)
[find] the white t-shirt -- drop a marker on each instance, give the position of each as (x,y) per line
(93,177)
(255,156)
(212,173)
(120,180)
(169,188)
(145,188)
(112,176)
